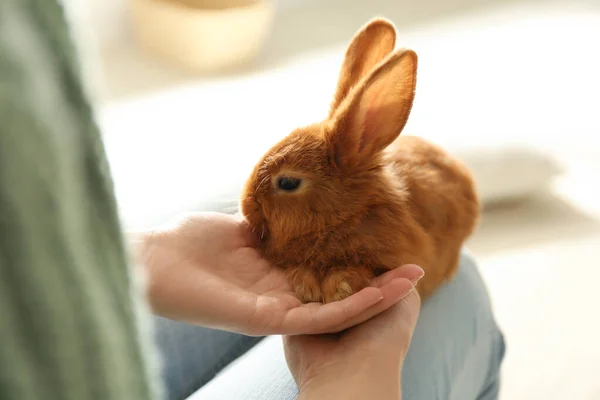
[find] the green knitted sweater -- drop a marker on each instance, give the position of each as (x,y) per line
(68,321)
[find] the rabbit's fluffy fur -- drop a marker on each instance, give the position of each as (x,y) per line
(367,200)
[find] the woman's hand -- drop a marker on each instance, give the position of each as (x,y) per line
(205,270)
(362,362)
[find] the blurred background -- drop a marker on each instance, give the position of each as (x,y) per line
(190,93)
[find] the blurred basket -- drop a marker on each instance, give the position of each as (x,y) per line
(204,35)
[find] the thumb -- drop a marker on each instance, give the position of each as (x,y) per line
(393,328)
(402,314)
(397,325)
(405,314)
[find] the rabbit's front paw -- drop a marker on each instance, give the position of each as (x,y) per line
(340,284)
(305,285)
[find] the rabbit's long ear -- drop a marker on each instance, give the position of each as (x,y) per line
(371,44)
(375,111)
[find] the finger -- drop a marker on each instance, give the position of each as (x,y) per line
(412,307)
(411,272)
(321,318)
(392,292)
(402,315)
(402,320)
(336,316)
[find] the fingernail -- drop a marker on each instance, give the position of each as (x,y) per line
(407,293)
(421,274)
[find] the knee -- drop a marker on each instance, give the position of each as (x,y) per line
(464,305)
(457,341)
(466,292)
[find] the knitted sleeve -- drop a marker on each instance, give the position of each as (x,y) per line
(68,321)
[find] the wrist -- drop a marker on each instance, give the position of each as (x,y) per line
(378,379)
(135,243)
(140,246)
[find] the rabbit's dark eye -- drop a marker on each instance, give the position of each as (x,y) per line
(288,184)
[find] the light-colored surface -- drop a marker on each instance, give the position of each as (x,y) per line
(540,261)
(525,75)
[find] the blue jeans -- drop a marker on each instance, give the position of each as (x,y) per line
(456,353)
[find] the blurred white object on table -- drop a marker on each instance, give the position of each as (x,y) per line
(202,35)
